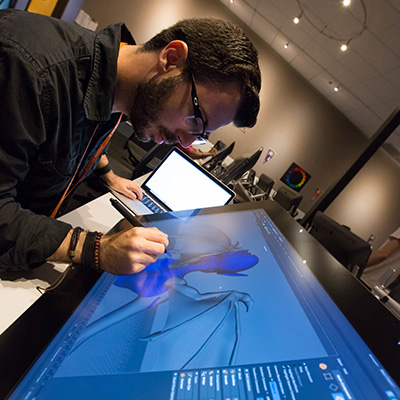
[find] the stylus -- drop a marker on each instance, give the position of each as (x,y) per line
(127,215)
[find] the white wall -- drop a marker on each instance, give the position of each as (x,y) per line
(295,121)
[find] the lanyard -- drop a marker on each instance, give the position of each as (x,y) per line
(89,165)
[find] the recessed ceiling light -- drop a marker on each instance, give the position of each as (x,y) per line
(346,3)
(286,45)
(336,88)
(343,47)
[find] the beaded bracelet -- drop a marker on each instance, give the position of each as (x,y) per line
(96,253)
(91,250)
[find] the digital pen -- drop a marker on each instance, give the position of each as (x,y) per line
(126,213)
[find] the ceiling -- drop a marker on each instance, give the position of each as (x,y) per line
(367,74)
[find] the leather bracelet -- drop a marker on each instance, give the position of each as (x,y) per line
(74,241)
(91,250)
(103,170)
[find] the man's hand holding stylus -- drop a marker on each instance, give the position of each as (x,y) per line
(124,250)
(131,250)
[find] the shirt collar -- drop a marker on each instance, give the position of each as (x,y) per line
(99,97)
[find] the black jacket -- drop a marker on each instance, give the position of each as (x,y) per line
(57,82)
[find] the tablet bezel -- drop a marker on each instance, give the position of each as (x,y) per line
(25,340)
(208,174)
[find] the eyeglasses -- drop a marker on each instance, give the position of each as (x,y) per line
(195,123)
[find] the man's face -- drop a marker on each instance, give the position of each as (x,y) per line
(150,101)
(161,106)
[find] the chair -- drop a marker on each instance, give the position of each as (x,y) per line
(263,186)
(248,178)
(255,192)
(151,159)
(288,199)
(242,195)
(348,248)
(388,290)
(234,171)
(219,158)
(395,291)
(219,145)
(137,149)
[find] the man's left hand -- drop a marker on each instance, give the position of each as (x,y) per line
(124,186)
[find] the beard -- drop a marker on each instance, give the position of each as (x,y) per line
(148,106)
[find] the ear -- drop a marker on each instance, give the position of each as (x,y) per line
(172,56)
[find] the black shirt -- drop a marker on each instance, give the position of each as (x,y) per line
(57,82)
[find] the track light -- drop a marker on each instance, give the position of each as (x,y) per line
(345,46)
(296,20)
(322,27)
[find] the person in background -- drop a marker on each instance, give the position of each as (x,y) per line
(63,91)
(196,154)
(388,255)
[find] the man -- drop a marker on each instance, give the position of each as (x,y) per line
(196,154)
(380,260)
(63,90)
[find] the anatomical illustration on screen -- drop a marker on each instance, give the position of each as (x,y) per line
(192,308)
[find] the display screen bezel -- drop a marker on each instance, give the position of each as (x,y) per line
(26,339)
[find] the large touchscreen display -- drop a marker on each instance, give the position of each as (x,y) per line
(231,312)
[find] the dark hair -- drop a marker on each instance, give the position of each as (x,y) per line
(219,52)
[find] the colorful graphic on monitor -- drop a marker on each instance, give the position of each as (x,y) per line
(295,177)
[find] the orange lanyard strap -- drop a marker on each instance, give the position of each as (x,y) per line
(89,165)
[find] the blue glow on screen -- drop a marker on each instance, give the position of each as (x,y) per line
(231,292)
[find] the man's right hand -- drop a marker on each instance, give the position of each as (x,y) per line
(132,250)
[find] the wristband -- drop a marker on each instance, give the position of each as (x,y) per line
(103,170)
(74,241)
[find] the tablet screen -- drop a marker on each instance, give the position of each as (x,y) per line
(181,184)
(232,312)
